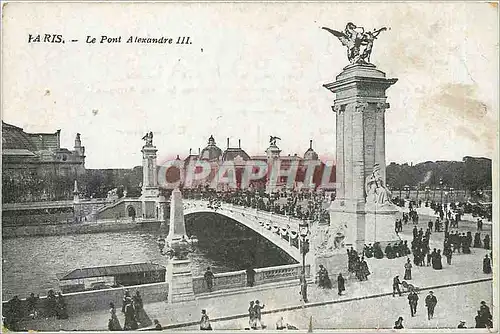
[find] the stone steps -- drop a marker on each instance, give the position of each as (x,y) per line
(267,286)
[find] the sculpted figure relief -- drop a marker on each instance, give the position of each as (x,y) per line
(358,42)
(376,192)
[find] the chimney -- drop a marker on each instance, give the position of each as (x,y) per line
(228,142)
(310,144)
(239,143)
(190,151)
(199,152)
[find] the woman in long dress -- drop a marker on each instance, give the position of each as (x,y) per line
(114,323)
(436,263)
(130,321)
(141,315)
(205,321)
(407,270)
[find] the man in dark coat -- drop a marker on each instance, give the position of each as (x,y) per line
(485,315)
(477,240)
(250,276)
(209,279)
(413,300)
(395,286)
(389,251)
(487,241)
(486,265)
(430,303)
(340,284)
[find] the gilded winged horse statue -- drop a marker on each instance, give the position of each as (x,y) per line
(355,38)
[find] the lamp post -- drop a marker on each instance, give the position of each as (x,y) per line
(441,186)
(303,232)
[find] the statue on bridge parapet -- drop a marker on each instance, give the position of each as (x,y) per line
(355,38)
(272,140)
(148,138)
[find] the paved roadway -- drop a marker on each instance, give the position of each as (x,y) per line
(454,304)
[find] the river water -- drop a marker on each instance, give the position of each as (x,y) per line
(30,264)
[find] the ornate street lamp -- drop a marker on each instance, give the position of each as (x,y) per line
(303,232)
(407,190)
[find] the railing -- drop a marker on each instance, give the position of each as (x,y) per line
(280,273)
(222,281)
(238,279)
(36,205)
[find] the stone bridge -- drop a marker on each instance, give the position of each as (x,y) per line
(281,230)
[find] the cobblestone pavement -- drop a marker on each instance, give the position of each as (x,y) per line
(464,267)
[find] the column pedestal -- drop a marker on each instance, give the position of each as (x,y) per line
(380,224)
(180,281)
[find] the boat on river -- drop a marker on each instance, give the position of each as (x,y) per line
(96,278)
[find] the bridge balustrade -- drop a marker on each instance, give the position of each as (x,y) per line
(238,279)
(280,273)
(221,281)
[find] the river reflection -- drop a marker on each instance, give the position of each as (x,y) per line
(30,264)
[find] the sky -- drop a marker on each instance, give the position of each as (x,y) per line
(252,70)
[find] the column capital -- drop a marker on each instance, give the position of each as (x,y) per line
(382,106)
(360,106)
(338,108)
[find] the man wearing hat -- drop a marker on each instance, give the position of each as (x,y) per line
(430,303)
(395,286)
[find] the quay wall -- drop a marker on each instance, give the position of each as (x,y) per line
(75,228)
(87,301)
(96,300)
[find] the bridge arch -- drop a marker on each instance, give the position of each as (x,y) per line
(253,222)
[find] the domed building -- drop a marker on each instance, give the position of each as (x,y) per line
(35,166)
(211,152)
(310,154)
(239,159)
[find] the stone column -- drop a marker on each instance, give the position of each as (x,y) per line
(380,137)
(150,189)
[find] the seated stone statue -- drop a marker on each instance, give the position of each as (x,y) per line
(376,192)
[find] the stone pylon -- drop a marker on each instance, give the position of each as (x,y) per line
(177,226)
(179,274)
(360,106)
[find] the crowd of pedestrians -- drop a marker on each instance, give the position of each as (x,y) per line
(301,205)
(52,306)
(357,265)
(134,313)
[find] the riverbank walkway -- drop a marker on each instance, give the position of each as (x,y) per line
(464,277)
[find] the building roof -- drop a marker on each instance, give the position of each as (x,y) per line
(111,271)
(14,137)
(231,153)
(18,152)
